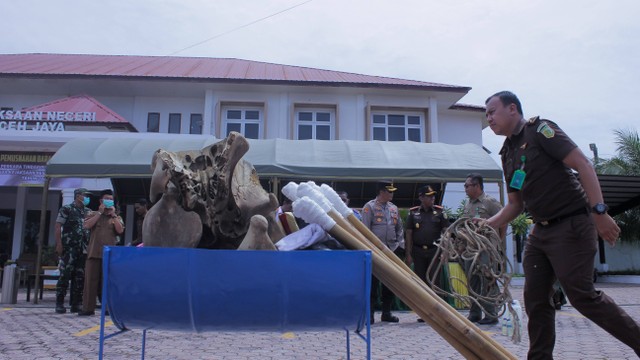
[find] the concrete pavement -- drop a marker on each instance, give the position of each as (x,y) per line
(30,331)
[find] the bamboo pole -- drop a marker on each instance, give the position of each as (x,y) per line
(373,239)
(439,317)
(394,273)
(381,262)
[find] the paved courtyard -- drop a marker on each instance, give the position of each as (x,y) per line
(29,331)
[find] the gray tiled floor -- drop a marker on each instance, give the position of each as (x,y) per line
(30,331)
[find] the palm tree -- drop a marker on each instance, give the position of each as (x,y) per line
(626,162)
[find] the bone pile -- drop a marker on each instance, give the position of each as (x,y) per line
(322,205)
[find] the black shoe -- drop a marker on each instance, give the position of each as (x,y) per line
(488,321)
(372,320)
(558,306)
(60,309)
(474,319)
(387,317)
(86,313)
(75,309)
(420,320)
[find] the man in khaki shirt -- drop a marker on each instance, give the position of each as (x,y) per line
(481,205)
(105,225)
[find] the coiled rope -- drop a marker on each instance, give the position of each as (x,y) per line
(474,241)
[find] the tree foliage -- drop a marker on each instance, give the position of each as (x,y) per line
(625,162)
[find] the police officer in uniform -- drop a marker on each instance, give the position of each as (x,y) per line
(71,247)
(425,225)
(569,214)
(381,216)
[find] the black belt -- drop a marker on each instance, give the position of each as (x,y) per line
(556,220)
(425,247)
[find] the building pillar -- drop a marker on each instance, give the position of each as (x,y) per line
(18,221)
(284,128)
(130,223)
(361,119)
(433,121)
(208,125)
(67,196)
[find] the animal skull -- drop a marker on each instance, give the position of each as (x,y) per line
(216,184)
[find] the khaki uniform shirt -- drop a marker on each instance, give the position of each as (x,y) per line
(483,207)
(103,233)
(384,221)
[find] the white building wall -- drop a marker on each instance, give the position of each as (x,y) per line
(165,106)
(21,101)
(622,257)
(460,127)
(141,98)
(123,106)
(408,101)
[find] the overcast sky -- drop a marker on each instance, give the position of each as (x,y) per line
(573,61)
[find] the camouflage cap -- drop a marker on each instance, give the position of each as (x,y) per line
(81,191)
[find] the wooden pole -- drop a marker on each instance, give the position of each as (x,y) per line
(373,239)
(41,232)
(381,266)
(457,333)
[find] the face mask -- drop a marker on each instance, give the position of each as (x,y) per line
(108,203)
(86,201)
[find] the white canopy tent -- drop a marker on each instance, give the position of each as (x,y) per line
(128,156)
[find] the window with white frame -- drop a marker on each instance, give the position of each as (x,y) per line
(153,122)
(175,123)
(397,126)
(248,121)
(195,124)
(318,124)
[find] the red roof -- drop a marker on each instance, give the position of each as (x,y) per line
(206,69)
(81,103)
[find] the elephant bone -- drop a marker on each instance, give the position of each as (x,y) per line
(219,186)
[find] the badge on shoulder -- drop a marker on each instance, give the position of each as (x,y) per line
(518,179)
(546,130)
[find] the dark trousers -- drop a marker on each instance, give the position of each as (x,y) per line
(386,295)
(482,286)
(422,258)
(93,273)
(566,250)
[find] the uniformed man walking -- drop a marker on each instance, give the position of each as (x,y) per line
(381,216)
(71,246)
(483,206)
(425,225)
(569,214)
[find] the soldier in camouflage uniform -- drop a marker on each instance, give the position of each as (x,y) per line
(71,246)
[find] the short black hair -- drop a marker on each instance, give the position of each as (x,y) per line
(476,178)
(142,202)
(342,192)
(507,98)
(286,200)
(106,192)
